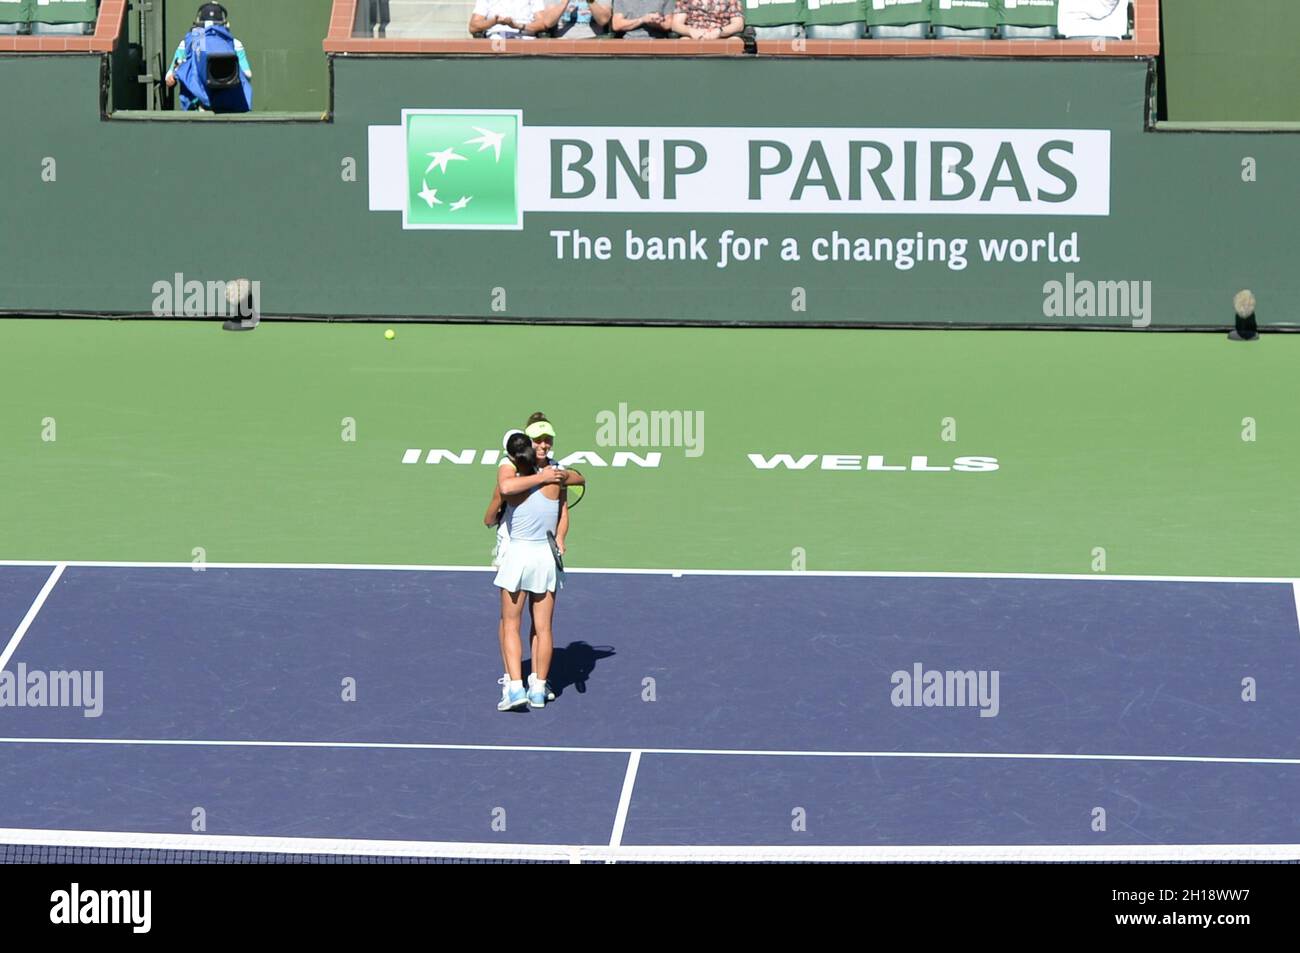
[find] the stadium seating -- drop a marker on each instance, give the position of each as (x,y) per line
(13,18)
(48,17)
(63,29)
(884,20)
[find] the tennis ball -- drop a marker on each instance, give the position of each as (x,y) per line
(390,334)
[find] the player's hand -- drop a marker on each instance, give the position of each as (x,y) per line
(559,544)
(553,475)
(170,80)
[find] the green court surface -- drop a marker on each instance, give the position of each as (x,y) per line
(172,436)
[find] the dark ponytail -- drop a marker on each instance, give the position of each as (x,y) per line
(520,450)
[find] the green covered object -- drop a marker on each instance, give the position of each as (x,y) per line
(773,12)
(966,14)
(62,11)
(831,12)
(16,11)
(898,12)
(1029,12)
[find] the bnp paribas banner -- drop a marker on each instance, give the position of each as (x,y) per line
(488,169)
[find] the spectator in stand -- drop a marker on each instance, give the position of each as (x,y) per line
(578,19)
(509,19)
(643,19)
(708,19)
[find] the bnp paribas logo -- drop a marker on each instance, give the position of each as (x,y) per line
(462,168)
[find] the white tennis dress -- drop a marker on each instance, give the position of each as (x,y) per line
(525,561)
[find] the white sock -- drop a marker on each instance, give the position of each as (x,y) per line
(516,685)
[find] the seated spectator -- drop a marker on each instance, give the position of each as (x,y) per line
(578,19)
(509,19)
(643,19)
(1092,19)
(708,19)
(201,87)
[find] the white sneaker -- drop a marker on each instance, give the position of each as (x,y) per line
(510,700)
(550,693)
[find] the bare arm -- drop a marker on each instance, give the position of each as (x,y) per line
(493,514)
(622,24)
(509,485)
(562,528)
(547,18)
(735,26)
(601,14)
(478,24)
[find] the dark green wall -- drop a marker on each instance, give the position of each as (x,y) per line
(283,39)
(135,202)
(1232,60)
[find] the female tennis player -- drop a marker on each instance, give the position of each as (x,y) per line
(521,462)
(542,433)
(527,573)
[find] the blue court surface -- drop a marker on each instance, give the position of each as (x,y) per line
(352,710)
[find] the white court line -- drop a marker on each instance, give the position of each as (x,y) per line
(28,619)
(1295,591)
(573,853)
(625,799)
(846,573)
(723,752)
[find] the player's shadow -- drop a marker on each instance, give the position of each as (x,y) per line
(572,666)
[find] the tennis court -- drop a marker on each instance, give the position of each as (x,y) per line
(295,630)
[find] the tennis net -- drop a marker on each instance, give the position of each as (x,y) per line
(20,846)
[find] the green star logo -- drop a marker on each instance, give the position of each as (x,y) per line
(462,168)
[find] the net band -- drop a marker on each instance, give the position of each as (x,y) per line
(18,845)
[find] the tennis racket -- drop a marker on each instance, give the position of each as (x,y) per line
(575,494)
(572,495)
(555,551)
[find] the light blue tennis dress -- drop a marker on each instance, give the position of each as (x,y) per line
(527,562)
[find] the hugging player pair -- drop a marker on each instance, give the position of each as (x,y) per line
(530,508)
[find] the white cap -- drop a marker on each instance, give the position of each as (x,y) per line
(506,439)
